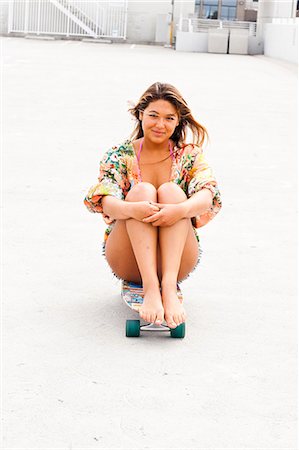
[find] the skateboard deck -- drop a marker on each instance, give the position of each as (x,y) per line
(133,296)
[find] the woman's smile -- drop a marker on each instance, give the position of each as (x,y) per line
(158,133)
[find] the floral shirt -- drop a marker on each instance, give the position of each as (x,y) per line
(119,172)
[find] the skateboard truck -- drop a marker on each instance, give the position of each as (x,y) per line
(133,329)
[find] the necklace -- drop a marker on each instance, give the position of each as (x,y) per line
(139,152)
(156,162)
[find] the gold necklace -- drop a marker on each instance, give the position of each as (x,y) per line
(151,163)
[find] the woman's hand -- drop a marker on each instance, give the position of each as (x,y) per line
(168,215)
(141,210)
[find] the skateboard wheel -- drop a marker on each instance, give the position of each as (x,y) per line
(178,332)
(133,328)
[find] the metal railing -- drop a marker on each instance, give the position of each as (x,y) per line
(194,25)
(89,18)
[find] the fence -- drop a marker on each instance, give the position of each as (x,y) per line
(203,25)
(89,18)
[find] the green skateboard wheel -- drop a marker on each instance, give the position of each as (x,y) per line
(178,332)
(133,328)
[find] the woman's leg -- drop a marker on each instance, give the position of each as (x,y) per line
(179,254)
(136,242)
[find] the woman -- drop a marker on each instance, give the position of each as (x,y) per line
(153,191)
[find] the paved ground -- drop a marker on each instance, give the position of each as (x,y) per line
(71,379)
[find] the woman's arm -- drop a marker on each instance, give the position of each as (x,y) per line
(120,209)
(170,213)
(115,208)
(199,203)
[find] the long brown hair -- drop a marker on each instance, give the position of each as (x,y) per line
(164,91)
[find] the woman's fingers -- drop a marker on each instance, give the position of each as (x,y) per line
(151,218)
(157,220)
(159,205)
(154,206)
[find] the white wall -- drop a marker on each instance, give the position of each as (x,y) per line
(276,8)
(268,10)
(281,41)
(142,17)
(142,14)
(3,17)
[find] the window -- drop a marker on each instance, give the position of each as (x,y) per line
(229,9)
(209,9)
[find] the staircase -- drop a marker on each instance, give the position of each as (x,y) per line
(82,18)
(77,16)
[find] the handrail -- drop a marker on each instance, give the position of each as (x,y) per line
(194,25)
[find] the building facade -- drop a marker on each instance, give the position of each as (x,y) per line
(160,22)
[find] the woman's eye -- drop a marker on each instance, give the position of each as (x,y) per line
(154,116)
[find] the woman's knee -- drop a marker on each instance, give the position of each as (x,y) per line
(142,191)
(170,193)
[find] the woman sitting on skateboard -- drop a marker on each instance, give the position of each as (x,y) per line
(153,191)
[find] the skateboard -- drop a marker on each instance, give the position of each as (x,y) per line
(132,294)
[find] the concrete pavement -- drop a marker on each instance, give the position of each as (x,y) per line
(71,379)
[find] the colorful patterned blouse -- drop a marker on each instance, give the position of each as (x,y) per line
(119,172)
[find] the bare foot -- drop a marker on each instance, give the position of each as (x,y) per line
(175,314)
(152,309)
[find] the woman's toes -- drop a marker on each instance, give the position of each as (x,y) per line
(181,320)
(170,322)
(177,320)
(152,318)
(159,318)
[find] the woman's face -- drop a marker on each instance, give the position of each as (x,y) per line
(159,121)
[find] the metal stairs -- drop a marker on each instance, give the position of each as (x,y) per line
(77,16)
